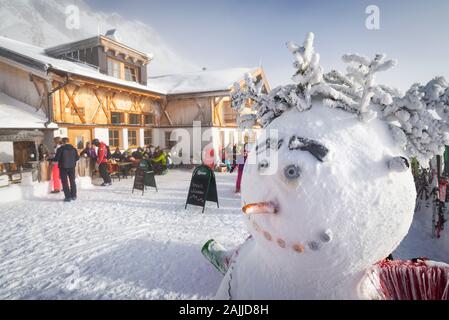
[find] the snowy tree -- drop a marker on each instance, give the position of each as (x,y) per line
(419,120)
(359,87)
(421,132)
(307,78)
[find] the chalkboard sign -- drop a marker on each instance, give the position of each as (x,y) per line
(149,180)
(203,187)
(139,179)
(144,177)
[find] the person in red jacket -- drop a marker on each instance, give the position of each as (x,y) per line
(102,161)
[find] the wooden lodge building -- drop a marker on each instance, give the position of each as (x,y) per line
(99,88)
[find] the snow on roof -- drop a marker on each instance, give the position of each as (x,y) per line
(38,54)
(191,82)
(202,81)
(15,114)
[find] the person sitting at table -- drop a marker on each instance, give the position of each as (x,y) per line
(89,151)
(126,157)
(159,161)
(147,154)
(138,154)
(117,155)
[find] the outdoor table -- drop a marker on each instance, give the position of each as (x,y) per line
(124,168)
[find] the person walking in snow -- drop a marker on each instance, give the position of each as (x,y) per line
(67,156)
(241,160)
(102,161)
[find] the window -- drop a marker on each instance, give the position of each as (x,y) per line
(114,138)
(132,138)
(79,142)
(134,118)
(148,119)
(168,143)
(117,118)
(114,67)
(148,137)
(130,73)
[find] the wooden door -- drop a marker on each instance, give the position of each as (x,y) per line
(24,151)
(79,137)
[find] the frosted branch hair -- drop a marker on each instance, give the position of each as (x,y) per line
(418,120)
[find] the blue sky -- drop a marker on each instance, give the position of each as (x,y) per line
(233,33)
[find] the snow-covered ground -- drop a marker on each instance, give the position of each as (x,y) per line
(419,241)
(112,244)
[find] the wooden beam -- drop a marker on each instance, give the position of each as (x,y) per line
(101,105)
(112,102)
(72,102)
(168,117)
(61,105)
(220,109)
(138,104)
(100,102)
(104,85)
(40,92)
(218,101)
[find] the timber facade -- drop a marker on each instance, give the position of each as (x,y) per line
(98,88)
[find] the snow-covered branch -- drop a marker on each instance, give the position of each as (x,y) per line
(419,120)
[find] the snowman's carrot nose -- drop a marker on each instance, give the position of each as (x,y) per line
(260,208)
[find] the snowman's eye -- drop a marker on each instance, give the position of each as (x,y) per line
(264,164)
(292,172)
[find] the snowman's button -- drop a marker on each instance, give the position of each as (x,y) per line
(256,226)
(298,248)
(281,243)
(314,246)
(267,235)
(326,236)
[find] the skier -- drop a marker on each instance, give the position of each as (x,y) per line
(67,156)
(102,162)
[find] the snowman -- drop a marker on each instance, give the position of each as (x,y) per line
(327,191)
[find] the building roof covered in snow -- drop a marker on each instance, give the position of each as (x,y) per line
(15,114)
(36,58)
(201,81)
(182,83)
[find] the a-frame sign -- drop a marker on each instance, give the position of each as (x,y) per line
(203,187)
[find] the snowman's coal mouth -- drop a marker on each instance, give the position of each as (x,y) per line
(261,208)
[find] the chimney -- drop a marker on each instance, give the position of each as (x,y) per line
(113,35)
